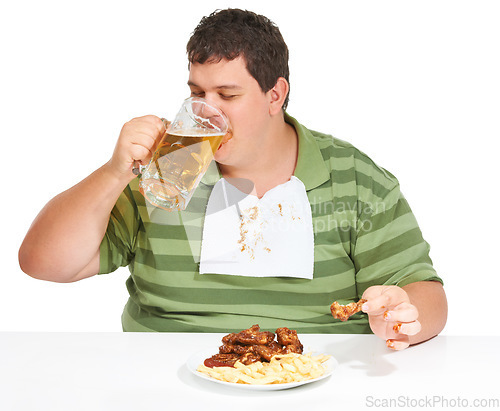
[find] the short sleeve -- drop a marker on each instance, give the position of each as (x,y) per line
(118,245)
(389,248)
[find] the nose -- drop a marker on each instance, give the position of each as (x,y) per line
(209,115)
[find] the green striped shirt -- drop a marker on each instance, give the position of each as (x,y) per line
(364,234)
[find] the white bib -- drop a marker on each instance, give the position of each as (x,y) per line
(267,237)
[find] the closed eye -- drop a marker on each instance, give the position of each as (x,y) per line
(197,93)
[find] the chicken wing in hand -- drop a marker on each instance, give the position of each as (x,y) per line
(343,312)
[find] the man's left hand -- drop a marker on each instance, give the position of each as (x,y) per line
(391,315)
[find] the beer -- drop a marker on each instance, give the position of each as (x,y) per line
(178,164)
(184,154)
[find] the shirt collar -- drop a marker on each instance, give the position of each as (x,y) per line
(310,168)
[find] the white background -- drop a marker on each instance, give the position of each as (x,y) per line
(415,85)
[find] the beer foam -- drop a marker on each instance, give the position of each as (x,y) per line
(195,132)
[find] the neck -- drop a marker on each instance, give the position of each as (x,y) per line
(275,164)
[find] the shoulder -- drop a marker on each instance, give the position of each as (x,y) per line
(347,163)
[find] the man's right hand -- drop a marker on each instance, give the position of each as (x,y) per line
(137,141)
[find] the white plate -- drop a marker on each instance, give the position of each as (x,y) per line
(196,359)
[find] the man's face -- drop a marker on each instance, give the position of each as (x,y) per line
(229,85)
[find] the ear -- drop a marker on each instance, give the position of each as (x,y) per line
(278,95)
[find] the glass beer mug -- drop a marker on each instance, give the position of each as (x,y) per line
(184,154)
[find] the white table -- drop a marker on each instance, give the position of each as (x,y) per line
(147,371)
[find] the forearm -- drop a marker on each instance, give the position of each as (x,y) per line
(430,299)
(66,235)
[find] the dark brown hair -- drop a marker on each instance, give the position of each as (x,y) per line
(227,34)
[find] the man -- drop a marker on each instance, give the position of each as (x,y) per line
(366,242)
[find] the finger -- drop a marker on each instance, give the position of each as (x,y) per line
(398,344)
(377,305)
(373,291)
(404,312)
(159,127)
(146,139)
(156,121)
(383,297)
(145,128)
(412,328)
(160,134)
(162,127)
(165,123)
(140,153)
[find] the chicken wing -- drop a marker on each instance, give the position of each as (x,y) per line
(250,336)
(290,340)
(268,351)
(343,312)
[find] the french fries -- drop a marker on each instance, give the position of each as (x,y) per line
(282,369)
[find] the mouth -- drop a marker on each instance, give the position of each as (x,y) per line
(227,137)
(221,145)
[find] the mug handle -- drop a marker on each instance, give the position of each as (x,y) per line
(138,168)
